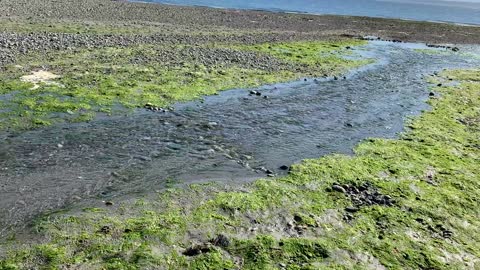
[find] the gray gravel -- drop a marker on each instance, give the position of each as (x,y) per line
(197,25)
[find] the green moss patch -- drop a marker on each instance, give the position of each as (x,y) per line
(114,80)
(302,221)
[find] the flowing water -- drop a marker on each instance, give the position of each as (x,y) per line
(227,137)
(455,11)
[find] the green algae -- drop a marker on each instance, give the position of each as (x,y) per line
(297,222)
(112,80)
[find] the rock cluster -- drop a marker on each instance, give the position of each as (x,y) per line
(363,195)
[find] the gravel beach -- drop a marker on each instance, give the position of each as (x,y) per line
(27,26)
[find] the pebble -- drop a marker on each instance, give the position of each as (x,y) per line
(221,241)
(143,158)
(352,209)
(339,189)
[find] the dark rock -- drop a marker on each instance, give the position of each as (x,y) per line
(297,218)
(432,94)
(108,203)
(221,241)
(197,250)
(284,167)
(352,209)
(447,233)
(348,217)
(105,229)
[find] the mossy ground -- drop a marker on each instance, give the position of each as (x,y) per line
(107,80)
(298,222)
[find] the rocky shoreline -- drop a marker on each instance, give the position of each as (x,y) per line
(38,26)
(124,13)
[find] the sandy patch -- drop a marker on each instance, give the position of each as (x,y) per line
(38,77)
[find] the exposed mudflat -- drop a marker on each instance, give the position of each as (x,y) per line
(228,137)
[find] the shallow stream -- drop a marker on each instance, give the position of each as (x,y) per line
(227,138)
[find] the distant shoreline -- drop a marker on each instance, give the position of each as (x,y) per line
(119,16)
(287,11)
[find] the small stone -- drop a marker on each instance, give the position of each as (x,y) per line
(297,218)
(347,217)
(221,241)
(156,154)
(339,189)
(60,145)
(108,203)
(351,209)
(447,234)
(270,175)
(247,157)
(284,167)
(105,229)
(439,85)
(197,250)
(144,158)
(432,94)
